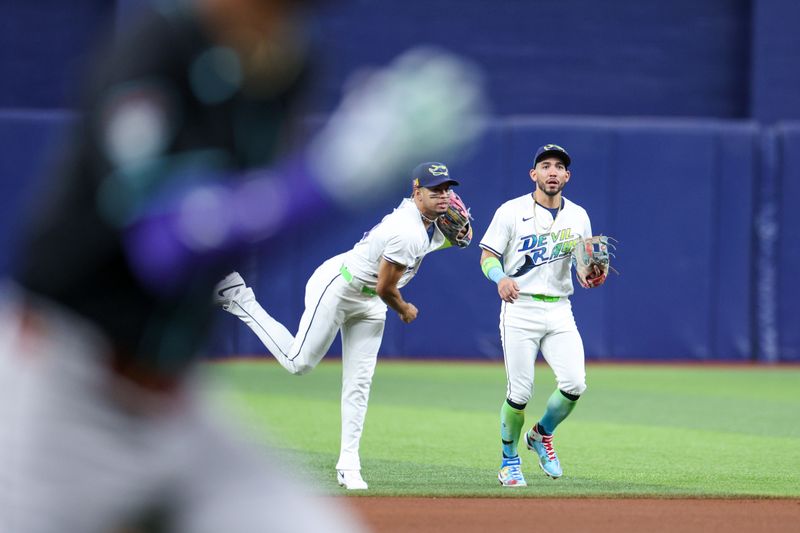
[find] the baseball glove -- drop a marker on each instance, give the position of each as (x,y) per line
(592,260)
(454,223)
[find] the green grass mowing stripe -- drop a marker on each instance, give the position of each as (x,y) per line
(432,428)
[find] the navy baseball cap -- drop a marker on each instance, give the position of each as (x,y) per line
(552,150)
(431,174)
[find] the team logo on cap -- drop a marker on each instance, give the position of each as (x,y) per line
(553,147)
(438,170)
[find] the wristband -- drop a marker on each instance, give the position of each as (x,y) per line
(492,269)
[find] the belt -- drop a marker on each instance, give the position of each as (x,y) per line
(543,298)
(348,277)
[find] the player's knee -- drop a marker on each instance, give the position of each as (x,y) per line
(515,399)
(574,384)
(573,388)
(301,369)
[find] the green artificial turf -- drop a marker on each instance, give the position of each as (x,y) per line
(432,429)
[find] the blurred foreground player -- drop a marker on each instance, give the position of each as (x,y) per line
(179,159)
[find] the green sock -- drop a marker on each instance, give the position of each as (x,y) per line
(511,421)
(558,408)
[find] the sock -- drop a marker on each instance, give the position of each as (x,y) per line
(511,420)
(558,408)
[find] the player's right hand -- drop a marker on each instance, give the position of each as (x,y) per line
(508,290)
(409,314)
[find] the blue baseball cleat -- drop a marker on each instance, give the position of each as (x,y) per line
(510,474)
(542,445)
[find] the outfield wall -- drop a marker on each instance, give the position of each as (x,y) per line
(682,197)
(704,212)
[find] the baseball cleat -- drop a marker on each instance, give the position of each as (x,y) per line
(351,479)
(228,288)
(510,474)
(542,445)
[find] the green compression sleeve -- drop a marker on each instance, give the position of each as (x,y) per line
(511,421)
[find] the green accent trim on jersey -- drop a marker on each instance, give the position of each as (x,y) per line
(445,244)
(511,422)
(348,277)
(543,298)
(558,408)
(492,269)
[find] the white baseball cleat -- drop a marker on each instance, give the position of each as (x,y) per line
(351,479)
(228,288)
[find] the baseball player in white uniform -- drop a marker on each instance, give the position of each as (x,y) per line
(534,236)
(349,293)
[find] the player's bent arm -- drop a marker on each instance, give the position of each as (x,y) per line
(389,275)
(507,288)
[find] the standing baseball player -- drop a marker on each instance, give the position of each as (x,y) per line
(350,293)
(534,235)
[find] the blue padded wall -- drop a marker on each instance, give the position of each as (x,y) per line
(788,251)
(677,195)
(731,265)
(668,207)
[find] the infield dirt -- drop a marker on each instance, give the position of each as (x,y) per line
(511,515)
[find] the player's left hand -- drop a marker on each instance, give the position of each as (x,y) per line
(592,260)
(594,278)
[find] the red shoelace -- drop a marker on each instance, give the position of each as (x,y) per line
(547,442)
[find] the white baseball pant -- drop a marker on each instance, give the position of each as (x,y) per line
(529,325)
(332,304)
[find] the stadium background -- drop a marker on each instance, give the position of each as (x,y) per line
(682,117)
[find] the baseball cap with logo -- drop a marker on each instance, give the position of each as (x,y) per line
(552,150)
(431,174)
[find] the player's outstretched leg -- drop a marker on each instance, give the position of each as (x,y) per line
(512,417)
(297,354)
(540,437)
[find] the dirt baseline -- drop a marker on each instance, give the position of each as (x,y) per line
(510,515)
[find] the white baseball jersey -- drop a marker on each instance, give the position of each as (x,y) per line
(400,238)
(536,252)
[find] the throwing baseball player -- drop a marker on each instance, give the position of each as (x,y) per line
(534,235)
(350,293)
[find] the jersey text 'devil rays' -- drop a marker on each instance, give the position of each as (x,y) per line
(536,249)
